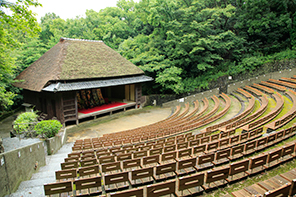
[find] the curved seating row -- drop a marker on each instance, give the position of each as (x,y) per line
(274,86)
(271,115)
(228,123)
(286,117)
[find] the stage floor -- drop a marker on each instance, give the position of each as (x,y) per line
(109,108)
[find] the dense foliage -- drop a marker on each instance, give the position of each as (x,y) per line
(182,44)
(48,128)
(25,122)
(13,29)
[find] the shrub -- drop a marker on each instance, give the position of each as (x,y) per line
(25,122)
(48,128)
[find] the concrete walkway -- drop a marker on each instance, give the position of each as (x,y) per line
(46,174)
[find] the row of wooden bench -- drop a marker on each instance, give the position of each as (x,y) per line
(286,117)
(268,117)
(249,109)
(207,144)
(169,160)
(187,184)
(279,185)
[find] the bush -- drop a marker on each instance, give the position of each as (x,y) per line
(48,128)
(25,122)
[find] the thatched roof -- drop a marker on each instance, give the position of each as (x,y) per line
(73,59)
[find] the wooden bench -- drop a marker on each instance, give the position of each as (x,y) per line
(88,171)
(185,153)
(88,162)
(140,154)
(186,166)
(236,152)
(106,159)
(69,165)
(150,161)
(123,157)
(238,170)
(142,176)
(116,181)
(222,157)
(216,178)
(113,167)
(274,158)
(263,88)
(199,150)
(277,192)
(287,152)
(286,117)
(274,86)
(205,161)
(168,157)
(257,164)
(131,164)
(136,192)
(63,175)
(165,171)
(161,189)
(62,188)
(88,186)
(190,185)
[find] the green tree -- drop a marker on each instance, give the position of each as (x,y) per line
(21,20)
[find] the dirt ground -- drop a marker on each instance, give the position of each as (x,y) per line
(118,122)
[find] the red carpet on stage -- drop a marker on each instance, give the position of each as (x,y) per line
(99,108)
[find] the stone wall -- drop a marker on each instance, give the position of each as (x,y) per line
(55,143)
(191,98)
(18,165)
(228,84)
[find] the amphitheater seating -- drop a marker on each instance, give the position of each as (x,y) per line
(166,160)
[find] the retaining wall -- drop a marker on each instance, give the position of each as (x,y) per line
(18,165)
(230,87)
(55,143)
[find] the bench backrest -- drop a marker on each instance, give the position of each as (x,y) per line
(58,188)
(190,181)
(142,173)
(165,168)
(108,167)
(239,167)
(150,159)
(88,183)
(217,175)
(137,192)
(66,174)
(161,189)
(116,178)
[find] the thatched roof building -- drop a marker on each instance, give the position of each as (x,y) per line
(73,65)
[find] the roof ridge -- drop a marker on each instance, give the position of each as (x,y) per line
(63,38)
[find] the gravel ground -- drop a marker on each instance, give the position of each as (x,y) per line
(14,143)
